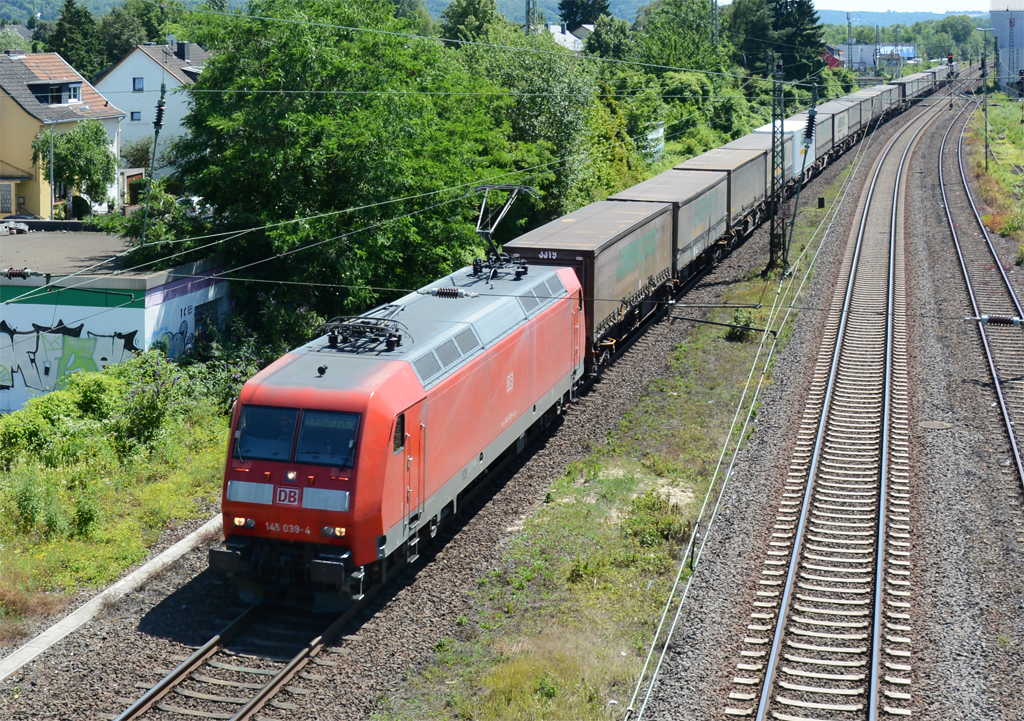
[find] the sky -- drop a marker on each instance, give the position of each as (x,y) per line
(906,6)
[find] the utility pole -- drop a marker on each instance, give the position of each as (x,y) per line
(984,80)
(849,41)
(878,47)
(777,224)
(530,12)
(808,142)
(714,21)
(157,124)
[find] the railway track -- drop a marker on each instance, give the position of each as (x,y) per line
(991,296)
(241,671)
(829,634)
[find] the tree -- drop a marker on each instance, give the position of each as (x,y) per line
(749,24)
(610,39)
(345,156)
(82,159)
(416,11)
(10,39)
(678,33)
(575,13)
(74,38)
(797,37)
(118,33)
(469,19)
(958,27)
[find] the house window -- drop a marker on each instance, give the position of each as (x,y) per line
(136,115)
(56,95)
(137,85)
(74,93)
(6,197)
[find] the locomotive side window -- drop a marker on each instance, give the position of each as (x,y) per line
(327,438)
(265,433)
(400,432)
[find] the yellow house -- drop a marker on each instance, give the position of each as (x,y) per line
(40,91)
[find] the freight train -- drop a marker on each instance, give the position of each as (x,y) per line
(349,451)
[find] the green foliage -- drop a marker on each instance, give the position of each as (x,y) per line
(119,32)
(653,520)
(742,318)
(82,159)
(11,39)
(610,39)
(262,159)
(137,191)
(469,19)
(80,207)
(74,38)
(575,13)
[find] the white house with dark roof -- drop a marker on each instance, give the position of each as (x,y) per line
(134,83)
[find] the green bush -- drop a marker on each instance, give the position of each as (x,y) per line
(136,190)
(80,206)
(653,520)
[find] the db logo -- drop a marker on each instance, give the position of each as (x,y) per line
(287,496)
(508,383)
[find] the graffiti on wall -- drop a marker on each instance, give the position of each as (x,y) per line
(177,343)
(36,361)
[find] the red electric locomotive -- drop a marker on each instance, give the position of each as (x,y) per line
(346,451)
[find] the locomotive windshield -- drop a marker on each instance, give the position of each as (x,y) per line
(327,438)
(265,433)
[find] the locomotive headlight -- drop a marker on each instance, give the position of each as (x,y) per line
(290,476)
(329,532)
(245,522)
(339,532)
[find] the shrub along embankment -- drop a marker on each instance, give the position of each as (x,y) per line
(91,473)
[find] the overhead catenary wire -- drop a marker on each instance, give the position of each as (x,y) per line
(234,234)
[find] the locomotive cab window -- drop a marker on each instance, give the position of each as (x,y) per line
(399,432)
(327,438)
(265,433)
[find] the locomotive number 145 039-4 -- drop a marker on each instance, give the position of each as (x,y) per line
(288,528)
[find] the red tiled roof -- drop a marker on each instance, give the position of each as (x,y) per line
(17,74)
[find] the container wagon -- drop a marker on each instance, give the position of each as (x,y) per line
(762,141)
(622,256)
(699,212)
(747,172)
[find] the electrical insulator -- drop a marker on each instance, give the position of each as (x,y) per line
(159,122)
(809,130)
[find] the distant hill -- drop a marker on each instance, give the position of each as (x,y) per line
(838,17)
(515,10)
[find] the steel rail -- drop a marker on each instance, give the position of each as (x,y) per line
(771,669)
(187,667)
(989,355)
(876,641)
(308,652)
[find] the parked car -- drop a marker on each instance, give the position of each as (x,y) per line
(195,207)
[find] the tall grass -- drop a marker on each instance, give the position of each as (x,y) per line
(91,473)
